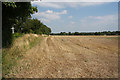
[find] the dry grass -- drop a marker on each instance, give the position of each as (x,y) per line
(10,56)
(70,57)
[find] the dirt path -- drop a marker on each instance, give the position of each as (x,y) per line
(70,57)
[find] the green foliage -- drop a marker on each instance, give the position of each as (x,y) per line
(36,27)
(12,4)
(9,60)
(34,8)
(16,35)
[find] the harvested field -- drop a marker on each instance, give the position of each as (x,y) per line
(70,57)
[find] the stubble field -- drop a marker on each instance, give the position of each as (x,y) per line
(70,57)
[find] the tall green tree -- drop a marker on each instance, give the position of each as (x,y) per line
(11,13)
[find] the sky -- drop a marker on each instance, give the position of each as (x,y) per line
(78,16)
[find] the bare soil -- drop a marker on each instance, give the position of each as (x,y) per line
(70,57)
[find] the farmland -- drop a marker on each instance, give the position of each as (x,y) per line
(70,57)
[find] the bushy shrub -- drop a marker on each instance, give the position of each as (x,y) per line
(16,35)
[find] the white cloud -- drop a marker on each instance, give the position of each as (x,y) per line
(100,22)
(68,4)
(84,4)
(78,1)
(70,17)
(49,15)
(72,23)
(44,4)
(64,12)
(44,20)
(49,11)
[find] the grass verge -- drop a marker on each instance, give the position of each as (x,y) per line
(11,55)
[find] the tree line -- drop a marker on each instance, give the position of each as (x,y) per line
(18,15)
(33,26)
(88,33)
